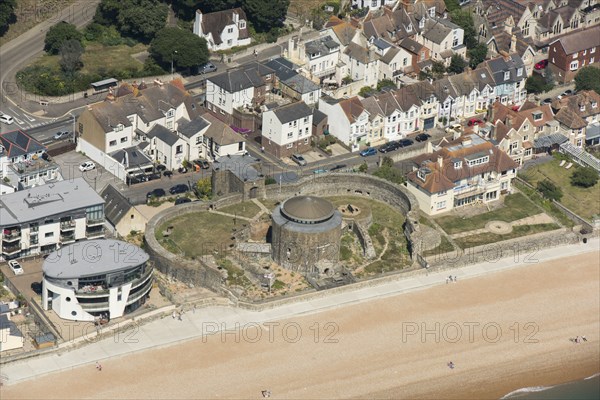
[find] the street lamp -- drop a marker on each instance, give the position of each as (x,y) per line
(172,55)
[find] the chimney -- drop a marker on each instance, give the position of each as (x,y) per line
(440,161)
(466,141)
(513,43)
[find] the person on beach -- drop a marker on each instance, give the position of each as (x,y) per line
(455,278)
(174,314)
(97,365)
(584,338)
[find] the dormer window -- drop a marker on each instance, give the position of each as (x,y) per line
(409,28)
(242,24)
(422,173)
(594,104)
(506,76)
(457,164)
(422,23)
(432,12)
(119,128)
(520,72)
(537,116)
(170,113)
(582,107)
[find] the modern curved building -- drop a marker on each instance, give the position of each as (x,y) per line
(306,234)
(96,278)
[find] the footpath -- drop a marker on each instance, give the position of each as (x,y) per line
(196,323)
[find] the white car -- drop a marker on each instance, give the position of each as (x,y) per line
(61,134)
(15,267)
(6,119)
(87,166)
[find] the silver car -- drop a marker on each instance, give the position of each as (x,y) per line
(298,159)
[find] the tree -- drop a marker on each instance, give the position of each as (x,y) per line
(437,69)
(364,167)
(188,50)
(588,78)
(142,19)
(464,19)
(549,190)
(70,56)
(384,83)
(457,64)
(58,34)
(186,9)
(477,55)
(7,15)
(266,14)
(585,177)
(204,188)
(365,91)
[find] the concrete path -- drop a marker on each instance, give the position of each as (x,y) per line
(168,331)
(260,205)
(541,218)
(230,215)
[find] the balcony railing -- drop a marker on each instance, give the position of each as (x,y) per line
(67,239)
(94,222)
(67,225)
(325,72)
(92,290)
(94,234)
(11,235)
(34,229)
(9,250)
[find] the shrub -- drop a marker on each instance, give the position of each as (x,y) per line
(363,167)
(585,177)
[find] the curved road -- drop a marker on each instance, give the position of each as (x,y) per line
(27,46)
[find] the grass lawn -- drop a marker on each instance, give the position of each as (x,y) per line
(30,13)
(444,247)
(583,201)
(235,275)
(197,234)
(516,206)
(518,231)
(246,209)
(98,57)
(547,205)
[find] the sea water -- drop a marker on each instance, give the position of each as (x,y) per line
(585,389)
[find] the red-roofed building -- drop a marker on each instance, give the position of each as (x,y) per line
(467,170)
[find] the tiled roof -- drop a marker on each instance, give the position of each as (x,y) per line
(582,40)
(190,128)
(352,107)
(164,134)
(344,32)
(215,22)
(221,133)
(131,157)
(292,112)
(357,52)
(18,143)
(247,76)
(116,205)
(573,110)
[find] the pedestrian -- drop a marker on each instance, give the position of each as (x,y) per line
(179,317)
(584,338)
(97,365)
(455,278)
(194,310)
(174,314)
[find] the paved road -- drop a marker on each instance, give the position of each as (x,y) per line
(16,53)
(168,331)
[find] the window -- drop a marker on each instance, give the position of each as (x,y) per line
(525,138)
(179,149)
(441,204)
(409,28)
(49,234)
(592,50)
(112,143)
(199,140)
(526,127)
(242,24)
(591,60)
(240,146)
(170,113)
(124,139)
(229,30)
(575,55)
(290,135)
(432,12)
(289,146)
(80,128)
(537,116)
(306,120)
(574,65)
(519,71)
(405,62)
(457,164)
(594,104)
(506,75)
(582,107)
(229,42)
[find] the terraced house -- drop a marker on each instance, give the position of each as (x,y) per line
(577,115)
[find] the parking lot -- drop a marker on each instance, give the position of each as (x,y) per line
(97,178)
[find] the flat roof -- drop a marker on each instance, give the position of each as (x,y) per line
(105,82)
(92,257)
(47,200)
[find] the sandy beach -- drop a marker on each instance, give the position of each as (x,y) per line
(503,331)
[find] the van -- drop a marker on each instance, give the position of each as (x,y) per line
(6,119)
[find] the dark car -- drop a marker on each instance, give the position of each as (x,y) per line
(371,151)
(338,167)
(152,177)
(181,188)
(390,146)
(156,193)
(547,101)
(182,200)
(405,142)
(202,164)
(568,92)
(168,173)
(161,167)
(36,287)
(46,157)
(206,68)
(422,137)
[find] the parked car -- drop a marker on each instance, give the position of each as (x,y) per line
(151,177)
(475,121)
(567,92)
(177,189)
(541,65)
(182,170)
(61,135)
(156,193)
(202,164)
(15,267)
(46,157)
(161,167)
(206,68)
(422,137)
(371,151)
(298,159)
(405,142)
(547,101)
(338,167)
(87,166)
(168,173)
(182,200)
(389,146)
(6,119)
(320,171)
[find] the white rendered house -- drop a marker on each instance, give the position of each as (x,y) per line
(223,29)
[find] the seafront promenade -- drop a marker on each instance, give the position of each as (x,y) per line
(169,330)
